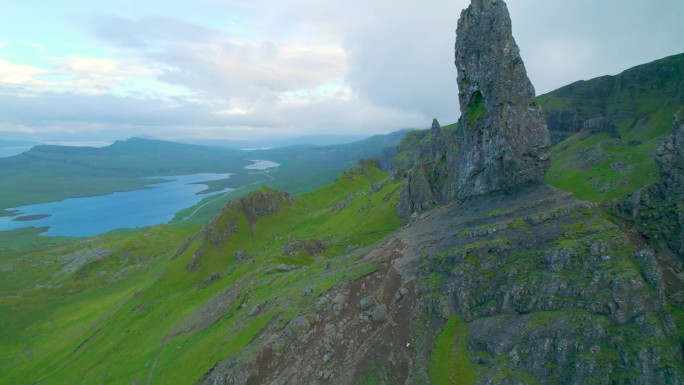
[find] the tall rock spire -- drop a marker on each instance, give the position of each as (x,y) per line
(503,139)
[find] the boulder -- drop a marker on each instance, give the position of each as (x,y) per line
(297,328)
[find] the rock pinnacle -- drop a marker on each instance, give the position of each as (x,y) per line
(503,139)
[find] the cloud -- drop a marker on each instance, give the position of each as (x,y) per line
(304,57)
(562,42)
(79,74)
(267,67)
(19,75)
(94,75)
(235,69)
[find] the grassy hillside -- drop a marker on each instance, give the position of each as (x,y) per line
(599,168)
(618,157)
(166,304)
(640,101)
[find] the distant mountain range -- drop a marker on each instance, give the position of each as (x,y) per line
(50,172)
(315,139)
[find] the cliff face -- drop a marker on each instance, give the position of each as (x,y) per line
(501,140)
(549,291)
(639,100)
(658,209)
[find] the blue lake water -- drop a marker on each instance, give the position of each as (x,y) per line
(82,217)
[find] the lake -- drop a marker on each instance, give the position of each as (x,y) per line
(89,216)
(262,165)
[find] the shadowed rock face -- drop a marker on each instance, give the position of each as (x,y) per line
(658,209)
(503,139)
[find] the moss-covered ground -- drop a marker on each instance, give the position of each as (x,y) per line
(450,363)
(599,168)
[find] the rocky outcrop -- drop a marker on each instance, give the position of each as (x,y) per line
(264,201)
(570,304)
(671,157)
(600,125)
(501,140)
(427,160)
(658,209)
(308,247)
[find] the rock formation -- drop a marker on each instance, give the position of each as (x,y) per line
(501,140)
(658,210)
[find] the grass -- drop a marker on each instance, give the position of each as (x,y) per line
(450,363)
(476,109)
(124,307)
(599,168)
(640,101)
(22,239)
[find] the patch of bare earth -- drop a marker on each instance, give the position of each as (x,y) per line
(361,330)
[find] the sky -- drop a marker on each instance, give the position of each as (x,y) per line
(91,71)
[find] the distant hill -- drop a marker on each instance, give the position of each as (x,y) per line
(607,129)
(313,139)
(306,167)
(50,172)
(14,147)
(640,101)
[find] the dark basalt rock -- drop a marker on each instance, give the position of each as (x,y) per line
(658,209)
(501,140)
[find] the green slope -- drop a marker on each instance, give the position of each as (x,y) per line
(640,103)
(165,304)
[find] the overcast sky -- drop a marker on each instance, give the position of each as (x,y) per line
(83,70)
